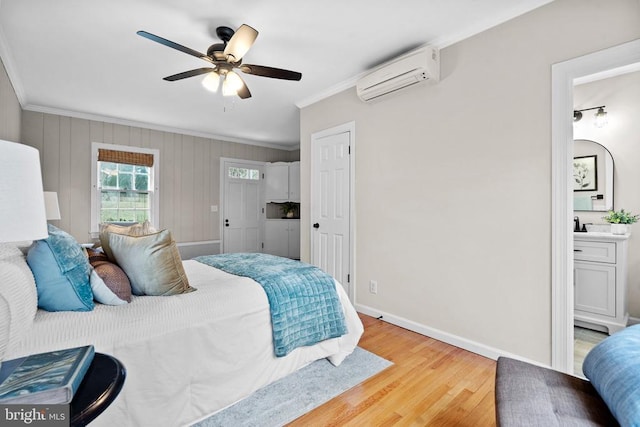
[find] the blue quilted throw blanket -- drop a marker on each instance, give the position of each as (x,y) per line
(305,308)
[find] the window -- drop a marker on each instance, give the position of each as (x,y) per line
(124,185)
(125,192)
(244,173)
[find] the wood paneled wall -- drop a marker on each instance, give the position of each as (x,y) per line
(189,170)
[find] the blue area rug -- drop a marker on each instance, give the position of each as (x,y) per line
(287,399)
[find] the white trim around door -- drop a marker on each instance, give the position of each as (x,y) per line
(563,76)
(349,127)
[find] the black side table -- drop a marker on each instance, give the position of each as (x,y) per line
(101,385)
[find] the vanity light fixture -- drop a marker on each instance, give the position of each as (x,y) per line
(600,116)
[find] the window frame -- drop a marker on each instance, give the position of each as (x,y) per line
(154,176)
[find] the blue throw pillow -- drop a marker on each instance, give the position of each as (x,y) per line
(613,366)
(61,270)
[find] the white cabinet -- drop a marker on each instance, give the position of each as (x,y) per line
(276,182)
(600,280)
(294,182)
(282,237)
(282,182)
(294,238)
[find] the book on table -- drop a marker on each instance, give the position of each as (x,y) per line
(45,378)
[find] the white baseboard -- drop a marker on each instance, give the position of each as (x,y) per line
(463,343)
(633,321)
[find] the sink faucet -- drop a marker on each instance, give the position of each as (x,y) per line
(576,223)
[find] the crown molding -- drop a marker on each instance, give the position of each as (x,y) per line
(125,122)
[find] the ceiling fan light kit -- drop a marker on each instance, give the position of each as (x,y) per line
(224,58)
(211,82)
(232,84)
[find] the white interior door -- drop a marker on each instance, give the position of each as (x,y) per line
(331,204)
(241,207)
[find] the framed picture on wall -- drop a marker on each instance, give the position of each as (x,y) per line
(585,173)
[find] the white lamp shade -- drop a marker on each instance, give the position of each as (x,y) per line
(51,206)
(211,81)
(232,84)
(22,213)
(601,118)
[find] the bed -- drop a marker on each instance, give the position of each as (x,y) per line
(187,356)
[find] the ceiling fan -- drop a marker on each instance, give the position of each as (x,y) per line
(224,58)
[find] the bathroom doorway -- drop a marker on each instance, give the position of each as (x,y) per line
(563,77)
(605,292)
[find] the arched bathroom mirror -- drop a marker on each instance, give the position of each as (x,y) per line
(592,176)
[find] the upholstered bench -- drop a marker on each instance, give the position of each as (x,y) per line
(529,395)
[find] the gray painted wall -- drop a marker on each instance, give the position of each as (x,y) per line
(453,180)
(189,170)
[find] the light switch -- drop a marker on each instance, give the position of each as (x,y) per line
(214,208)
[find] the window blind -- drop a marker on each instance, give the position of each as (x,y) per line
(126,157)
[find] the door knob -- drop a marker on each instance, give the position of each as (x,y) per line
(316,225)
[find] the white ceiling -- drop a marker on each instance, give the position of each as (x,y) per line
(82,58)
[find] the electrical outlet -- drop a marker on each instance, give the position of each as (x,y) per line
(373,287)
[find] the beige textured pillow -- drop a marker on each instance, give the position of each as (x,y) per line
(151,262)
(131,230)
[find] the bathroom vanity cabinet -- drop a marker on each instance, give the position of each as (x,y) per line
(600,281)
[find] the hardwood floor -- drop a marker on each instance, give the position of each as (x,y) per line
(430,384)
(583,341)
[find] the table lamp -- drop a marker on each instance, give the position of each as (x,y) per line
(22,212)
(51,206)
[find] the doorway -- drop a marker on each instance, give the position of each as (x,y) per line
(332,196)
(241,196)
(563,76)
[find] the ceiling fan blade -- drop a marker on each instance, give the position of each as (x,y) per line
(234,85)
(243,92)
(240,43)
(174,45)
(275,73)
(186,74)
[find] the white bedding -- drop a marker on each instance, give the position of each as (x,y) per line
(189,355)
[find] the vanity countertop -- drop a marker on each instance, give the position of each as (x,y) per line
(597,236)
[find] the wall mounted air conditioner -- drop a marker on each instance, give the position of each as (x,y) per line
(409,69)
